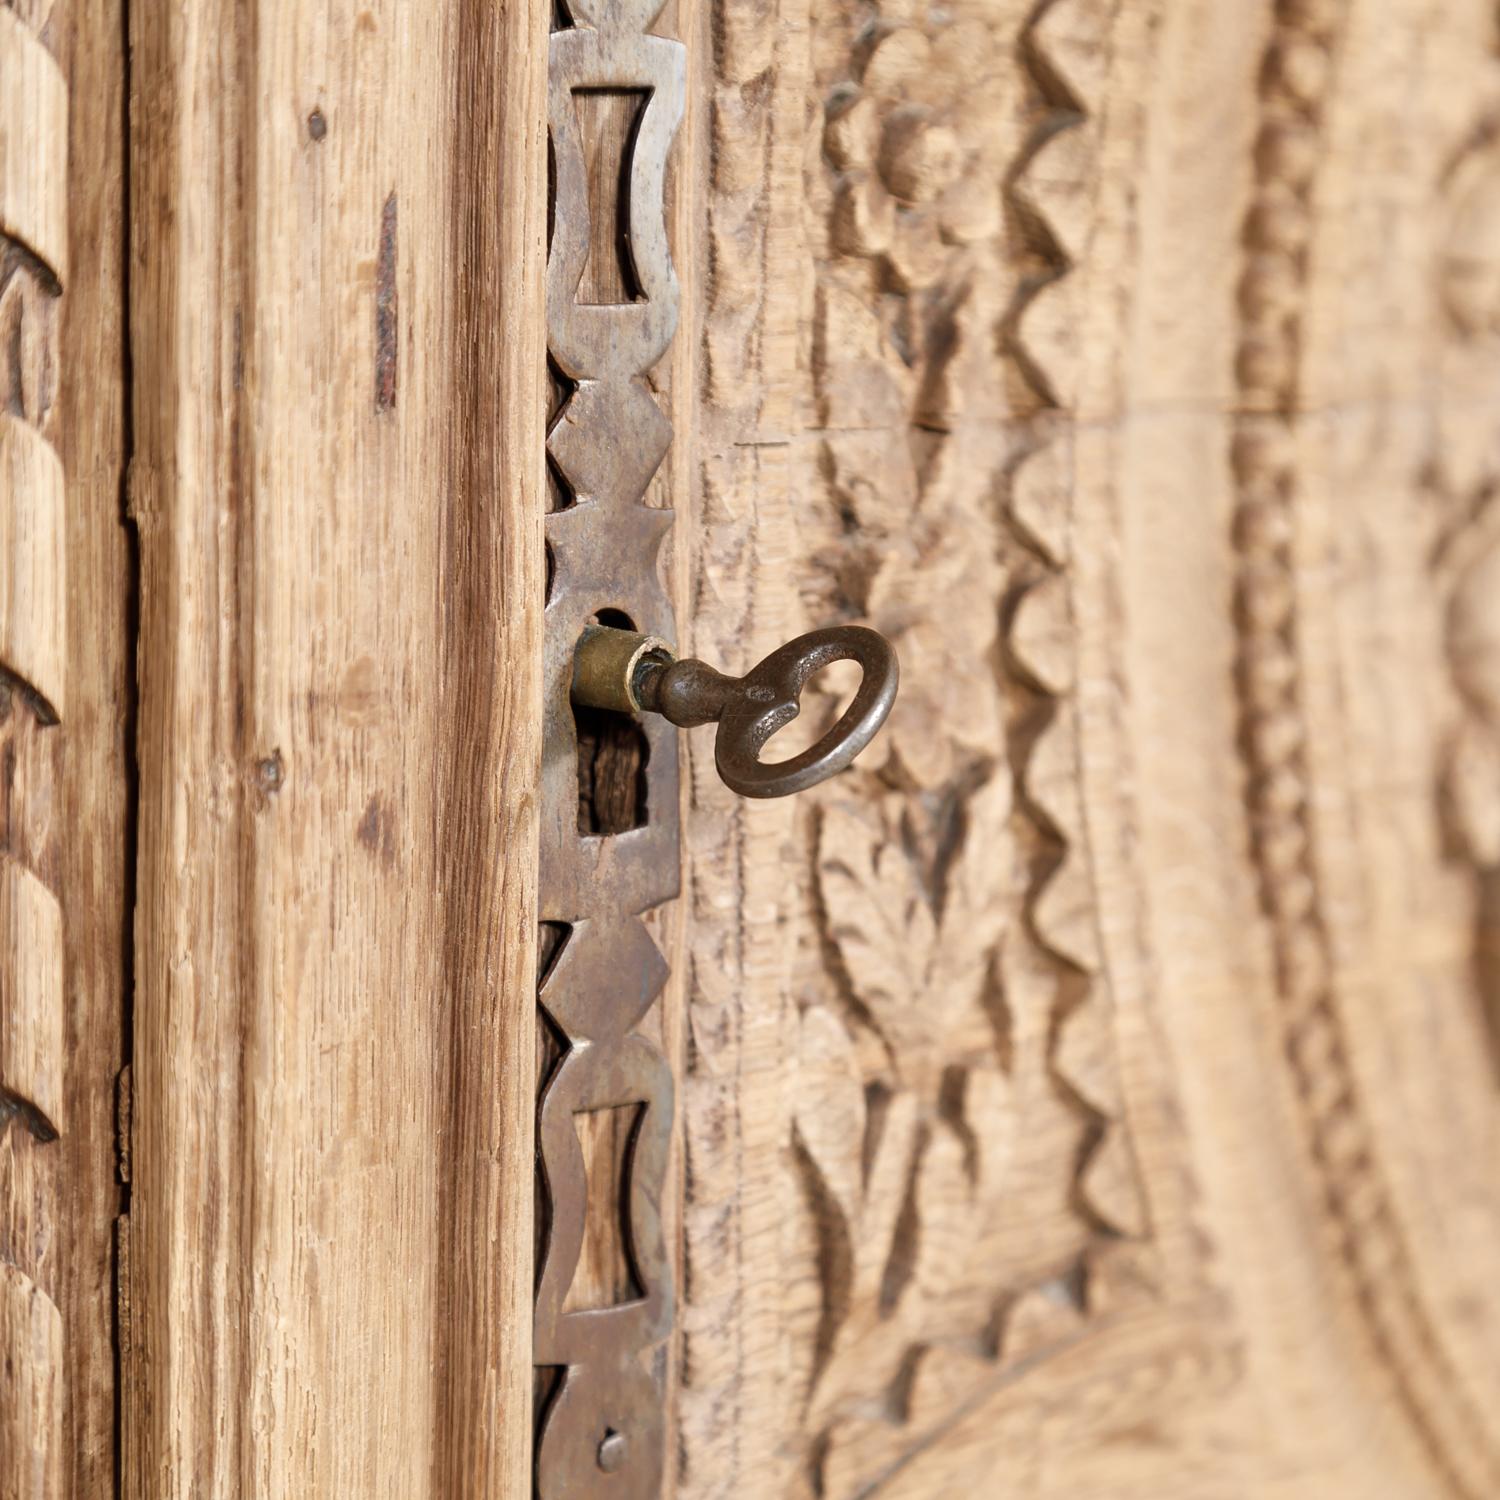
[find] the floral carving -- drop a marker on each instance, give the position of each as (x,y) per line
(915,137)
(907,1144)
(953,1017)
(917,944)
(891,350)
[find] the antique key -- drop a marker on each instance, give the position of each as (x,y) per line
(632,673)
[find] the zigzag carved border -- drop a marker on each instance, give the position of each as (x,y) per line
(1064,45)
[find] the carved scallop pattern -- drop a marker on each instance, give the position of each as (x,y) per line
(33,145)
(31,1438)
(897,199)
(31,996)
(1065,43)
(33,566)
(33,674)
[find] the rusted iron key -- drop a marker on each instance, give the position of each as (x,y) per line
(628,672)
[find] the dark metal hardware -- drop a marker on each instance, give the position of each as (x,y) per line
(601,1397)
(631,673)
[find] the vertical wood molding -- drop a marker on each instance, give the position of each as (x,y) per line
(94,814)
(33,676)
(491,689)
(336,324)
(742,147)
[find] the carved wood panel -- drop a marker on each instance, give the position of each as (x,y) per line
(1096,1092)
(64,572)
(33,653)
(1023,1062)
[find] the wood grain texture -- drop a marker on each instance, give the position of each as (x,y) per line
(96,855)
(64,727)
(31,1415)
(1095,1092)
(31,996)
(34,585)
(33,145)
(494,586)
(337,480)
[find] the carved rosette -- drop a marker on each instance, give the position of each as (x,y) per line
(33,700)
(602,1414)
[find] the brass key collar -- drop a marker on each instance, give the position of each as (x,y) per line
(606,665)
(627,672)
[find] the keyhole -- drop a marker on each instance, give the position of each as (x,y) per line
(612,755)
(612,1451)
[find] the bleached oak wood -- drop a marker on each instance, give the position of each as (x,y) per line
(33,144)
(33,622)
(338,218)
(1062,1109)
(1095,1091)
(31,1415)
(32,1012)
(95,738)
(64,727)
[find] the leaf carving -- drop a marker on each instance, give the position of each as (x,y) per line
(917,946)
(881,923)
(859,1145)
(831,1107)
(905,1167)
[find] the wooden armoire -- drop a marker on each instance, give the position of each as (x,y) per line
(428,1075)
